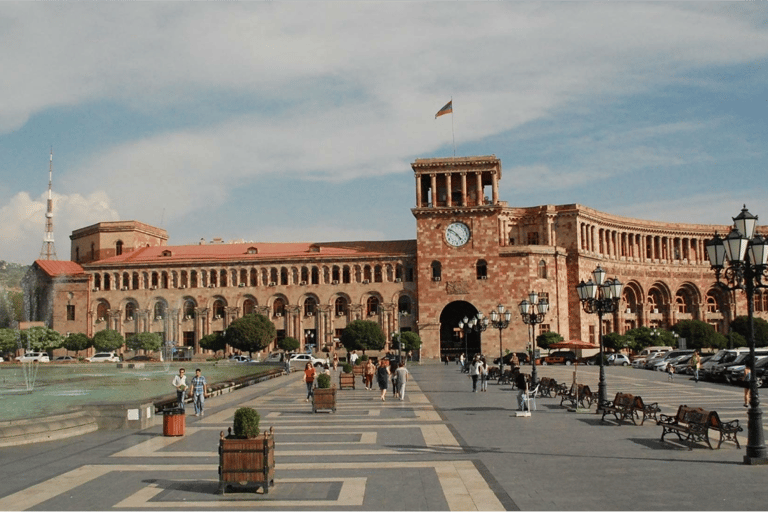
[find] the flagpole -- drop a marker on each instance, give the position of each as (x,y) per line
(453,134)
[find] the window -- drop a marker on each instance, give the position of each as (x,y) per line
(119,248)
(102,310)
(404,304)
(377,275)
(130,311)
(309,306)
(278,307)
(340,306)
(481,269)
(218,309)
(189,309)
(159,310)
(70,312)
(542,270)
(372,306)
(533,238)
(437,271)
(249,306)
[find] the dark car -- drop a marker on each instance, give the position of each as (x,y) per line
(136,359)
(565,357)
(521,356)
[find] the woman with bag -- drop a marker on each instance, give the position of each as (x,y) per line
(309,379)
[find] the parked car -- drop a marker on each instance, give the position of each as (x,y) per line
(663,364)
(39,357)
(719,371)
(240,359)
(645,354)
(761,372)
(565,357)
(103,357)
(275,357)
(65,359)
(681,365)
(708,368)
(735,373)
(522,357)
(618,360)
(136,359)
(300,361)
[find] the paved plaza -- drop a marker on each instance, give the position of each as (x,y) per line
(443,448)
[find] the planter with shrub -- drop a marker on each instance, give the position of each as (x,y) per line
(346,377)
(246,458)
(324,396)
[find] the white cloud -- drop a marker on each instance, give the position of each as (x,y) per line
(22,222)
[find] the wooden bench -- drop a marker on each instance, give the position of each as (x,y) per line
(648,410)
(622,407)
(506,377)
(548,387)
(579,395)
(693,424)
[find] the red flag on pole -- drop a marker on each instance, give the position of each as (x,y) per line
(447,109)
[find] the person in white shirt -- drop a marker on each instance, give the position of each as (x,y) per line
(180,383)
(474,372)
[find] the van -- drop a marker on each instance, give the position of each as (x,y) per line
(720,370)
(647,353)
(711,368)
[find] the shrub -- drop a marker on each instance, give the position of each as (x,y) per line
(346,368)
(323,381)
(363,358)
(246,422)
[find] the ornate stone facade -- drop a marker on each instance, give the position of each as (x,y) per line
(472,252)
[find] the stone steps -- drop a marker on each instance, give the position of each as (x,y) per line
(49,428)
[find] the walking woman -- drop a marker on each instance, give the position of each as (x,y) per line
(370,370)
(309,380)
(382,376)
(483,374)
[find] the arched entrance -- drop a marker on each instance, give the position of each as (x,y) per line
(452,342)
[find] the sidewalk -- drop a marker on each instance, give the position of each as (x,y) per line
(443,448)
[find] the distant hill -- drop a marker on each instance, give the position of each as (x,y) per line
(11,274)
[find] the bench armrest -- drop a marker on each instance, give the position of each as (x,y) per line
(731,426)
(663,418)
(652,407)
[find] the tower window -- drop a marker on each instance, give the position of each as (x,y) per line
(481,269)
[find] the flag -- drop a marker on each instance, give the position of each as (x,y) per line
(447,109)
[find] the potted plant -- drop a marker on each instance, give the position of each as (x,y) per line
(324,396)
(346,377)
(245,456)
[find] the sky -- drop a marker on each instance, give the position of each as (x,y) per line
(293,121)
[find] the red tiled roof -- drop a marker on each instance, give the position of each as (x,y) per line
(268,251)
(58,268)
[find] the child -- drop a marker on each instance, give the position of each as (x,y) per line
(670,372)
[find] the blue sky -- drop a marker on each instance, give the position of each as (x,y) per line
(291,121)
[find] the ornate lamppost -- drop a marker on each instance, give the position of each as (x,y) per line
(600,296)
(747,255)
(500,320)
(532,311)
(478,323)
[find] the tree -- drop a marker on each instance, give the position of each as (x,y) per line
(76,342)
(741,325)
(699,334)
(363,335)
(40,339)
(288,344)
(641,337)
(9,340)
(410,340)
(12,309)
(250,333)
(214,341)
(614,341)
(545,339)
(108,340)
(144,341)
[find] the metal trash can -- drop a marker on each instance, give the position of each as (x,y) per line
(174,421)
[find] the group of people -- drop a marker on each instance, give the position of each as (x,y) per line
(478,371)
(198,389)
(381,372)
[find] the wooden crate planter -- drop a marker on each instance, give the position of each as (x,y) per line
(358,369)
(346,381)
(245,461)
(323,399)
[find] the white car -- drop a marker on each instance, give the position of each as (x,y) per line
(40,357)
(103,357)
(241,359)
(618,359)
(301,360)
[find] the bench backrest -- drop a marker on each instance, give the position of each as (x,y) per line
(639,403)
(623,400)
(584,390)
(695,415)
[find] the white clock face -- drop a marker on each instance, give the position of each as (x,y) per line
(457,234)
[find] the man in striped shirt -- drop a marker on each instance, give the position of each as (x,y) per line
(198,392)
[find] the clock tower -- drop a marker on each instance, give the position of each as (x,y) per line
(458,237)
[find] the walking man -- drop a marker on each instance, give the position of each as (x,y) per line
(402,378)
(180,383)
(198,392)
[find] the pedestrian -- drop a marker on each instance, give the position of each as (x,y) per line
(382,376)
(370,370)
(353,358)
(522,385)
(335,361)
(198,392)
(474,373)
(180,383)
(695,365)
(395,382)
(514,362)
(446,359)
(670,372)
(309,379)
(483,375)
(402,378)
(747,381)
(460,362)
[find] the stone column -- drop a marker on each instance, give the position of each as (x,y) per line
(448,190)
(495,187)
(433,184)
(464,189)
(418,191)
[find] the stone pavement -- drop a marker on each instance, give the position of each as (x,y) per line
(443,448)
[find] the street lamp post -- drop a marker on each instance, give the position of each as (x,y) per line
(532,311)
(747,255)
(600,296)
(478,323)
(500,320)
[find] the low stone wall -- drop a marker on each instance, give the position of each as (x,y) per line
(34,430)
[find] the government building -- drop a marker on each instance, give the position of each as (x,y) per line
(471,253)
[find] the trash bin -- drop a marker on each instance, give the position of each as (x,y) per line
(174,421)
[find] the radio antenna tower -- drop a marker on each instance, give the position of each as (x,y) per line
(48,251)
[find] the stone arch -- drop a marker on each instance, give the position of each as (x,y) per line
(452,342)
